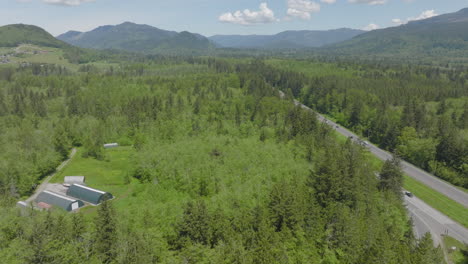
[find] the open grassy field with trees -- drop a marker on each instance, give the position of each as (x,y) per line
(215,168)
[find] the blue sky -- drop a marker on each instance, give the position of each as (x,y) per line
(211,17)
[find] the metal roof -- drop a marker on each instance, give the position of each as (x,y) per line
(43,205)
(74,179)
(57,200)
(88,194)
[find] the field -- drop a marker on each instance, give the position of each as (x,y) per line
(45,55)
(311,68)
(108,175)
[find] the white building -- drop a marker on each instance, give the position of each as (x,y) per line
(69,180)
(111,145)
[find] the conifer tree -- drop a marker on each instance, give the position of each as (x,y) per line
(105,233)
(391,176)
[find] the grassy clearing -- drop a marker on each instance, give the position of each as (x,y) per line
(46,55)
(108,174)
(50,56)
(460,255)
(311,68)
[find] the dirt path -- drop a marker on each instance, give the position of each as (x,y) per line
(44,184)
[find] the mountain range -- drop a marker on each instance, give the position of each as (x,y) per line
(287,39)
(136,38)
(143,38)
(445,35)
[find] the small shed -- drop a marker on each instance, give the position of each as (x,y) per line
(111,145)
(24,208)
(74,180)
(22,204)
(58,200)
(88,194)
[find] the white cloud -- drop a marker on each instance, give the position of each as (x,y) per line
(328,1)
(67,2)
(371,27)
(398,21)
(302,8)
(424,15)
(369,2)
(247,17)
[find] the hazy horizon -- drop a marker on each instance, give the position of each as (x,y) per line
(208,17)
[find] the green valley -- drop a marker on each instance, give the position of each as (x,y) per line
(131,144)
(214,167)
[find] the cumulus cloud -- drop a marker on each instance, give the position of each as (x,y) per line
(424,15)
(371,26)
(67,2)
(397,21)
(328,1)
(247,17)
(302,8)
(369,2)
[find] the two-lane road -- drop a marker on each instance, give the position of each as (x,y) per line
(424,177)
(425,218)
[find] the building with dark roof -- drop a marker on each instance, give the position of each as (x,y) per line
(58,200)
(88,194)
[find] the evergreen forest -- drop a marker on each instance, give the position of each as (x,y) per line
(218,167)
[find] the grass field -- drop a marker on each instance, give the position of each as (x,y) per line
(50,56)
(460,255)
(310,68)
(108,175)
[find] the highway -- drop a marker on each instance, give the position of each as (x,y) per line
(425,218)
(424,177)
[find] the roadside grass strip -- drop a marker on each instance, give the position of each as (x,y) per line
(438,201)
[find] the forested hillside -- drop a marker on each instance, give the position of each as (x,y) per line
(287,39)
(223,170)
(13,35)
(138,38)
(440,36)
